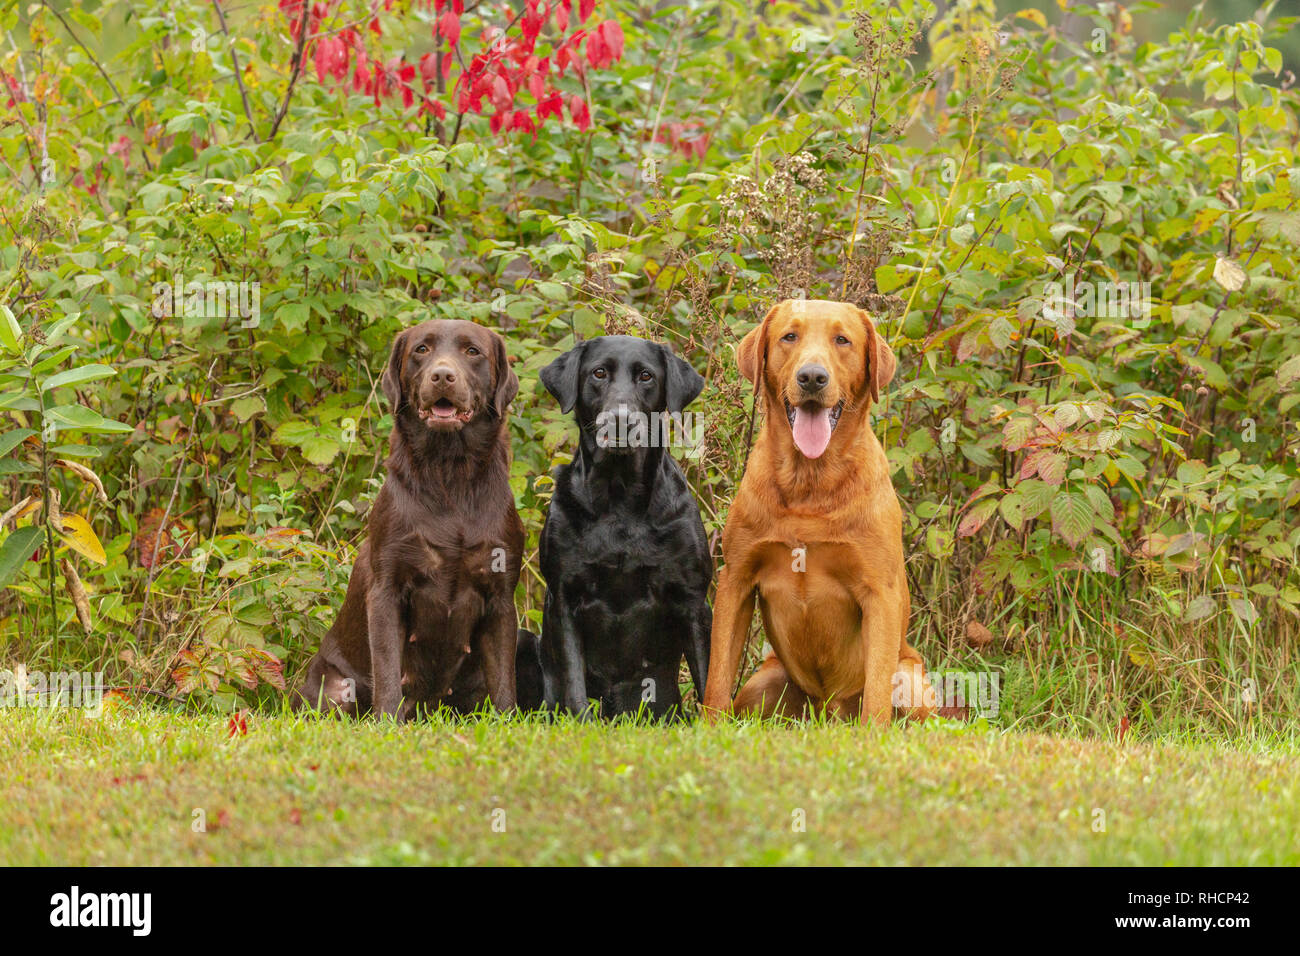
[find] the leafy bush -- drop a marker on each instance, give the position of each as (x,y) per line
(1082,250)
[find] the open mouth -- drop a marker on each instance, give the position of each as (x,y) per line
(444,412)
(811,425)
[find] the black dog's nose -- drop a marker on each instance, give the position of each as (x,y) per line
(442,375)
(813,378)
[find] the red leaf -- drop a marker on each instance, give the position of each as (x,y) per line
(429,70)
(361,75)
(295,817)
(449,27)
(502,98)
(578,110)
(1123,728)
(562,16)
(597,51)
(322,56)
(238,726)
(530,24)
(584,9)
(612,34)
(553,105)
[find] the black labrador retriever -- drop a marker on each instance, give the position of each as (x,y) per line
(623,551)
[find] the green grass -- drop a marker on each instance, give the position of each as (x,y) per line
(123,788)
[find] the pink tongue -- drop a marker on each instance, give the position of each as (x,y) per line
(812,431)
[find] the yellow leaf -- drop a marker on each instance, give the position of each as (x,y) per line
(80,537)
(1139,657)
(1034,16)
(1228,274)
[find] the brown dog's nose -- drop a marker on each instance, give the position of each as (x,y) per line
(442,375)
(813,378)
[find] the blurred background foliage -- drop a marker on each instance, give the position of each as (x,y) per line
(1098,506)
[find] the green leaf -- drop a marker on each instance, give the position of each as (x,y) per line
(256,614)
(9,440)
(319,450)
(1012,509)
(84,419)
(17,548)
(11,333)
(86,373)
(1199,607)
(294,433)
(1072,517)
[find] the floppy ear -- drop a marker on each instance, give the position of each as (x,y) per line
(751,355)
(880,359)
(683,382)
(561,377)
(507,382)
(391,381)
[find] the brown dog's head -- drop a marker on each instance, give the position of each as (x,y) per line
(446,373)
(815,360)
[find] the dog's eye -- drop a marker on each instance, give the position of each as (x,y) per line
(789,337)
(472,350)
(842,340)
(645,377)
(421,349)
(599,373)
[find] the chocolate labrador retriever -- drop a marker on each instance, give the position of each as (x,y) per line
(429,618)
(623,551)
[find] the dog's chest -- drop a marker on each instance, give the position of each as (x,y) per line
(444,562)
(811,615)
(624,561)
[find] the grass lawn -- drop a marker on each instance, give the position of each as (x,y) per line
(124,788)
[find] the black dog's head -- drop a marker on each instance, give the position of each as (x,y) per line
(445,375)
(616,380)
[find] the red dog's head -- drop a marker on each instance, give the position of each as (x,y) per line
(817,361)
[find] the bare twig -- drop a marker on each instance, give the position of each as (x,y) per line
(298,56)
(234,63)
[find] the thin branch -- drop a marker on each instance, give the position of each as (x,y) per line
(298,56)
(234,62)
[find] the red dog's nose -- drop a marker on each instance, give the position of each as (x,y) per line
(813,378)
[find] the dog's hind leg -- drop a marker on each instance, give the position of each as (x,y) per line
(771,693)
(326,689)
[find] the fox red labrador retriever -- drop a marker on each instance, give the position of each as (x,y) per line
(815,532)
(429,618)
